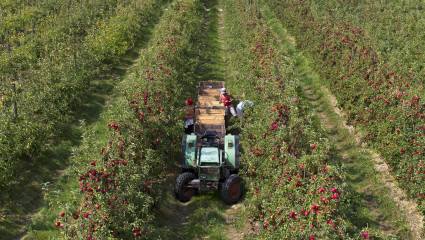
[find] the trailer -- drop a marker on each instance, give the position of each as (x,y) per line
(210,157)
(209,113)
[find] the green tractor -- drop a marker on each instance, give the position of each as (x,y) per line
(209,167)
(210,158)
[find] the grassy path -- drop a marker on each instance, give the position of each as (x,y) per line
(382,204)
(408,208)
(205,216)
(27,211)
(238,227)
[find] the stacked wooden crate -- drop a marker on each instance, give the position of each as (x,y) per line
(209,113)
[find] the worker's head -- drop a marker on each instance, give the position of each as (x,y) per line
(223,91)
(189,102)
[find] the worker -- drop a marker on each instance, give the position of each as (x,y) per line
(226,99)
(189,118)
(242,105)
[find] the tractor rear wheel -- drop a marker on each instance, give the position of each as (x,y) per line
(231,190)
(182,191)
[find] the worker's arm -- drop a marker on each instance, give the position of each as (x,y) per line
(184,108)
(231,97)
(219,100)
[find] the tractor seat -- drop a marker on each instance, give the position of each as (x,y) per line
(210,136)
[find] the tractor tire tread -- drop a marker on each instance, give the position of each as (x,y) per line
(226,189)
(178,186)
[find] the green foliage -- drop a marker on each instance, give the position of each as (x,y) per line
(295,187)
(119,190)
(53,69)
(369,55)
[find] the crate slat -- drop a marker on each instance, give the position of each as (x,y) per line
(210,121)
(208,98)
(207,103)
(210,111)
(209,117)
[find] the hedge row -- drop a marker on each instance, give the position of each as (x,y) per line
(119,189)
(369,55)
(52,88)
(296,188)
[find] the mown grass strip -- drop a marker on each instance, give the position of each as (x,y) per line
(205,215)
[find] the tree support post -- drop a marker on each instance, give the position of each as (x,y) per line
(15,106)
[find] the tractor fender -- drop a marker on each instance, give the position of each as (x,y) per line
(184,151)
(237,152)
(231,149)
(188,151)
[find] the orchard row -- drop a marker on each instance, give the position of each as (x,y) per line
(371,63)
(296,188)
(48,75)
(119,190)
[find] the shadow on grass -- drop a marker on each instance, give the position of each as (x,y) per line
(25,197)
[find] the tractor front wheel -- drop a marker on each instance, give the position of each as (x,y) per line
(231,190)
(182,191)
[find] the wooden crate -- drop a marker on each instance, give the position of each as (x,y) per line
(209,92)
(201,111)
(209,113)
(208,103)
(208,98)
(210,121)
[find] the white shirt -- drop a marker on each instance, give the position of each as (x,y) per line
(188,121)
